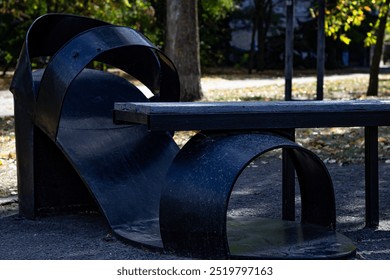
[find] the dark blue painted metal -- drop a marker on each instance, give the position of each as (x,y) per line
(194,204)
(71,155)
(68,147)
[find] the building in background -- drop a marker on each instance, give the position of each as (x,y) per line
(305,38)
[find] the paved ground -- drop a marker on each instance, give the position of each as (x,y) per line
(257,193)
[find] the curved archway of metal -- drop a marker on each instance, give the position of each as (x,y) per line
(194,204)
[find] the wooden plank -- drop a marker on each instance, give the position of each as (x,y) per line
(254,115)
(251,107)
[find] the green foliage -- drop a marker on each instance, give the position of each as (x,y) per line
(345,18)
(146,16)
(17,15)
(217,9)
(214,31)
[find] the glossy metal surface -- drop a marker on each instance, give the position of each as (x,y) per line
(193,211)
(70,153)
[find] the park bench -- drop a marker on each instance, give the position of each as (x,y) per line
(279,115)
(284,117)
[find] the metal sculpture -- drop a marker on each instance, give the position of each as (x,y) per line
(72,155)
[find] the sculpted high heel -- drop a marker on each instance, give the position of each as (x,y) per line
(69,152)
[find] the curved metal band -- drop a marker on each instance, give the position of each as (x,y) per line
(194,204)
(45,37)
(72,58)
(48,33)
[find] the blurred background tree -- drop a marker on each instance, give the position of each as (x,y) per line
(352,27)
(182,46)
(17,15)
(342,19)
(149,17)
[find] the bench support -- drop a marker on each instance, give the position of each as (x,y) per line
(288,183)
(371,175)
(288,188)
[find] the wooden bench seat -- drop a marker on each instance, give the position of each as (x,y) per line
(254,115)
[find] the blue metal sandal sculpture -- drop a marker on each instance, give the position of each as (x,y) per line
(71,155)
(65,134)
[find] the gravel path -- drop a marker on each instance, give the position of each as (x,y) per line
(6,103)
(208,84)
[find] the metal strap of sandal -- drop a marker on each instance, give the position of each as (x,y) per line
(70,53)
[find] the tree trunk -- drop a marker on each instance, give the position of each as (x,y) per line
(261,18)
(376,58)
(182,46)
(261,34)
(252,48)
